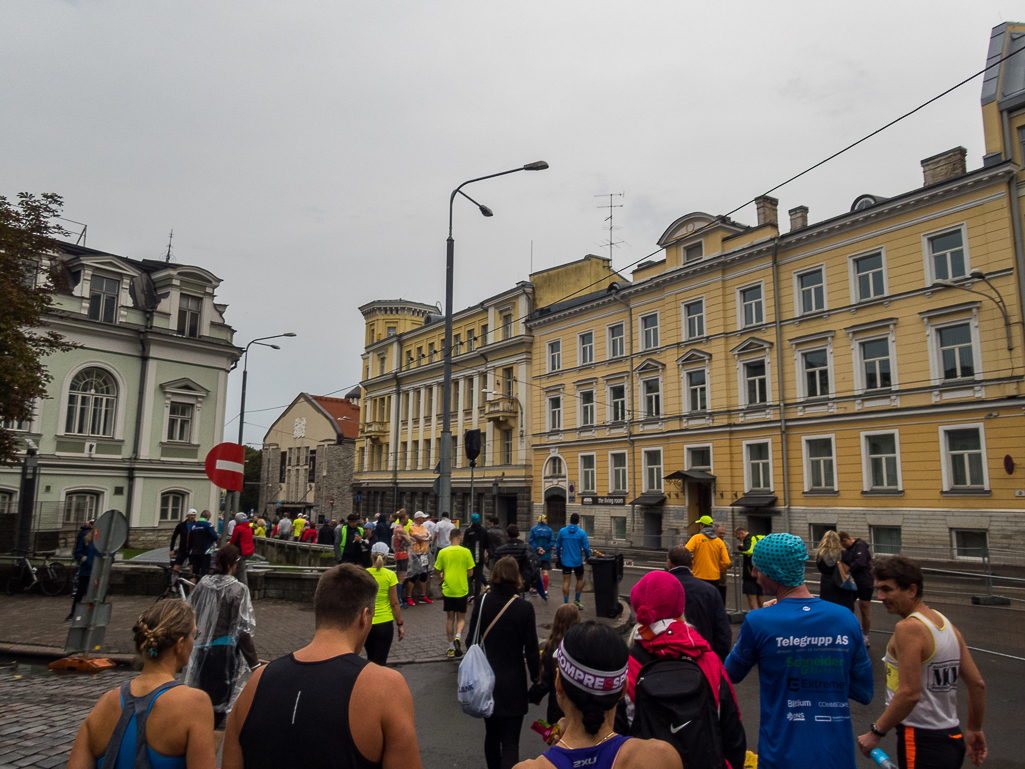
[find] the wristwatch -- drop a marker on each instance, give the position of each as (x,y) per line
(876,732)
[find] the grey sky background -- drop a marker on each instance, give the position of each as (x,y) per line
(304,151)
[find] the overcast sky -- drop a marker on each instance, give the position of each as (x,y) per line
(304,151)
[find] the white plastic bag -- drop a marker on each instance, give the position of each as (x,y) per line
(476,684)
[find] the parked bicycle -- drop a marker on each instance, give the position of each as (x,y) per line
(177,585)
(51,576)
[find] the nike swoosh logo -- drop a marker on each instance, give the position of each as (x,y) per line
(675,729)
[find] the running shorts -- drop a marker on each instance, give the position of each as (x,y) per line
(180,555)
(578,570)
(865,593)
(930,748)
(455,604)
(751,587)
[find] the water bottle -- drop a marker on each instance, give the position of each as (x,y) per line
(882,759)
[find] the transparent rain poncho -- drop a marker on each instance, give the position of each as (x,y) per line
(223,655)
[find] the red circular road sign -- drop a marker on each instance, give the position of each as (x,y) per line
(225,464)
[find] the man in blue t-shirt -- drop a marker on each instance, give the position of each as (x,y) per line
(572,550)
(811,661)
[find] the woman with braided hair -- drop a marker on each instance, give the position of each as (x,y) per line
(589,681)
(152,721)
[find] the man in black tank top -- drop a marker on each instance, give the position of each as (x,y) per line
(324,705)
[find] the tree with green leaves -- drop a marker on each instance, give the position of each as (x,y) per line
(28,281)
(251,473)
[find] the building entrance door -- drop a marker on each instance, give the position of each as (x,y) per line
(555,510)
(506,509)
(653,530)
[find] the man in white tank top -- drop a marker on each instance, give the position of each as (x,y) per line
(924,660)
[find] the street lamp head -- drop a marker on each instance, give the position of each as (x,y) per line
(486,211)
(977,274)
(274,347)
(290,333)
(540,165)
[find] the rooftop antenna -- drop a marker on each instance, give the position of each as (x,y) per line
(612,242)
(80,240)
(167,258)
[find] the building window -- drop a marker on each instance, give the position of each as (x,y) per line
(92,404)
(555,466)
(179,423)
(694,251)
(964,458)
(819,465)
(883,462)
(588,474)
(507,447)
(956,356)
(759,476)
(886,540)
(457,344)
(697,390)
(171,505)
(694,314)
(875,358)
(468,390)
(617,341)
(649,331)
(586,348)
(483,334)
(470,340)
(617,399)
(587,408)
(555,355)
(7,502)
(618,526)
(751,310)
(811,291)
(587,524)
(756,381)
(409,359)
(652,398)
(430,355)
(652,469)
(508,380)
(420,356)
(81,507)
(392,331)
(283,464)
(103,298)
(381,364)
(189,309)
(15,425)
(816,373)
(415,456)
(555,412)
(699,458)
(947,256)
(869,277)
(507,327)
(970,544)
(617,467)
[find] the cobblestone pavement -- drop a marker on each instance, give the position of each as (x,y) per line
(40,711)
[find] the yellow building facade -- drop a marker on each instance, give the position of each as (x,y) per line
(863,373)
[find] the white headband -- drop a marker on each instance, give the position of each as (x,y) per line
(590,680)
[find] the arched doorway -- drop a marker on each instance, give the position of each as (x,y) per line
(555,508)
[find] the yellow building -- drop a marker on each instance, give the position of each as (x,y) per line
(863,373)
(400,428)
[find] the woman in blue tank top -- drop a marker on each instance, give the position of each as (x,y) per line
(589,681)
(152,722)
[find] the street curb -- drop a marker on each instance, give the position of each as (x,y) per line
(28,650)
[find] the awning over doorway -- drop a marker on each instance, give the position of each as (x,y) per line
(690,475)
(754,500)
(555,491)
(650,499)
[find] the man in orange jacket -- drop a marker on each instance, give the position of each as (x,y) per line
(711,558)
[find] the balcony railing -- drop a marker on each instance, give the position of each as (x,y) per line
(500,409)
(375,429)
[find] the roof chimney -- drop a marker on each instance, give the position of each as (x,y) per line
(946,165)
(766,210)
(798,218)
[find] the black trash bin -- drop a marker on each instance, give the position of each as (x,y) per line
(607,572)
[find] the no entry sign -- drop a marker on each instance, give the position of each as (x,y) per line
(225,465)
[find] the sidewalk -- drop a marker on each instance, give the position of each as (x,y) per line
(35,624)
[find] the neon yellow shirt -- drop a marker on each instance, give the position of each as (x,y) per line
(298,526)
(454,562)
(386,579)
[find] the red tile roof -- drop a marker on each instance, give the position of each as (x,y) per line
(346,413)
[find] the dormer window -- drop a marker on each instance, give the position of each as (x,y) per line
(693,252)
(189,309)
(103,299)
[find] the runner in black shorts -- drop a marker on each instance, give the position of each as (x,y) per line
(180,537)
(578,570)
(455,604)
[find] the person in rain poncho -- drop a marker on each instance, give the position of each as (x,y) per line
(224,653)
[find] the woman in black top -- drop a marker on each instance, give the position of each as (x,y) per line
(512,638)
(827,557)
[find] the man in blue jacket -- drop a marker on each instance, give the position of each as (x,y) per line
(572,550)
(541,537)
(202,538)
(811,660)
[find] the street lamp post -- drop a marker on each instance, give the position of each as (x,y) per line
(445,478)
(230,509)
(998,300)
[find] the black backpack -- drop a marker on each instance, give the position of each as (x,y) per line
(530,568)
(674,702)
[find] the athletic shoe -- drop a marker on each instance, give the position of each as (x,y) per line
(451,653)
(458,649)
(425,599)
(579,605)
(410,602)
(533,591)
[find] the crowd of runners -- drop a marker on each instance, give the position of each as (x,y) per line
(664,697)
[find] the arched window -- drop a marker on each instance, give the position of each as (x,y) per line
(81,506)
(7,502)
(92,403)
(171,505)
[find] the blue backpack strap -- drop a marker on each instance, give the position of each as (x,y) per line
(114,745)
(137,707)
